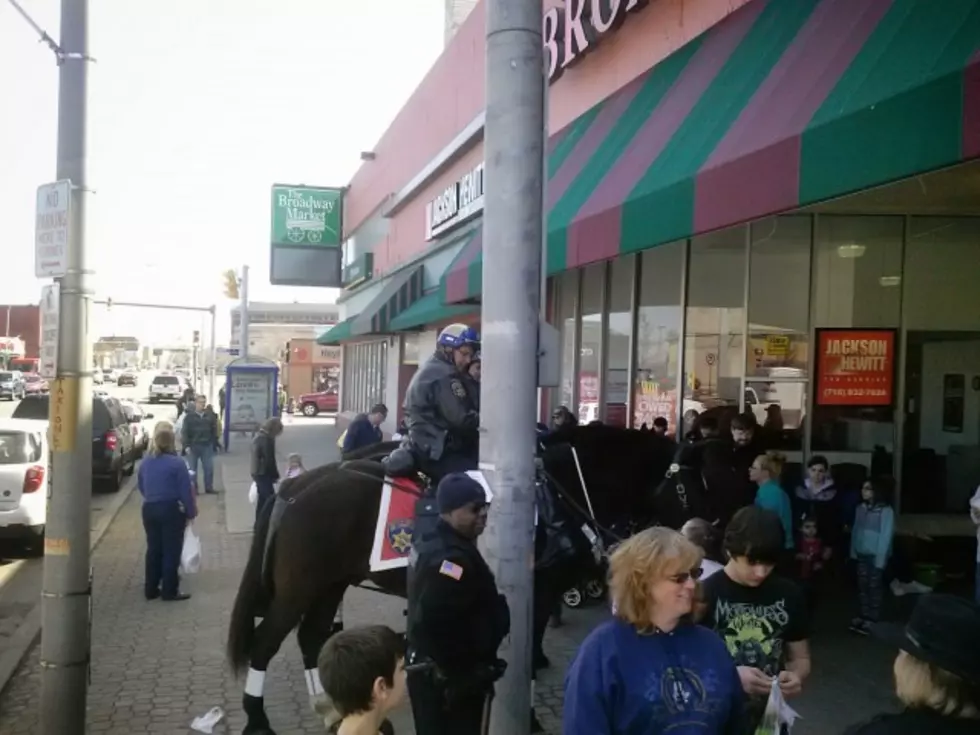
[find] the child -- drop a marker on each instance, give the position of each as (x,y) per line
(812,556)
(871,545)
(362,670)
(295,466)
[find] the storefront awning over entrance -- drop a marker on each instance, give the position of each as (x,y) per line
(402,290)
(429,309)
(337,333)
(463,278)
(783,104)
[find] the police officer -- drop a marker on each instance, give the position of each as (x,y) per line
(456,618)
(441,418)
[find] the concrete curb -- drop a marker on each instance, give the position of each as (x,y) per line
(29,631)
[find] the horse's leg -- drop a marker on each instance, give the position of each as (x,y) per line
(281,618)
(322,620)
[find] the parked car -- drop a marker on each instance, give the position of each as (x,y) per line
(109,376)
(23,464)
(136,416)
(113,449)
(97,377)
(327,401)
(34,383)
(127,377)
(166,388)
(12,385)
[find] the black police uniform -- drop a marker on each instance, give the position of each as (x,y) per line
(457,620)
(441,419)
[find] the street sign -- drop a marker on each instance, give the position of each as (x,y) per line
(50,312)
(51,229)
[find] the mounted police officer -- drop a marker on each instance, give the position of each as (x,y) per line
(456,618)
(440,415)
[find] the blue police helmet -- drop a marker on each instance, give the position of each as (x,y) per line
(457,335)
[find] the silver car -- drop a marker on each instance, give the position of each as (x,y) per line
(12,386)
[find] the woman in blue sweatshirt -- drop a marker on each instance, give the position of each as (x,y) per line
(168,506)
(765,472)
(650,669)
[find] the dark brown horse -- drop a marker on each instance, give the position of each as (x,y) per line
(324,531)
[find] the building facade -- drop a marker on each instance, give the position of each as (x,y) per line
(748,208)
(272,325)
(23,322)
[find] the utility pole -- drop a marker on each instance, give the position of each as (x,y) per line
(512,227)
(213,358)
(243,322)
(67,583)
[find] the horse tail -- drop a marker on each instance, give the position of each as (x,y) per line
(251,590)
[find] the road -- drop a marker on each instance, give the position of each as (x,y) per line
(20,573)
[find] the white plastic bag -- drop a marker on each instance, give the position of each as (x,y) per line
(253,494)
(190,555)
(778,713)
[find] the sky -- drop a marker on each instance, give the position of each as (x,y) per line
(195,108)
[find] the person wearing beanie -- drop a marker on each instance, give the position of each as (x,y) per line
(456,618)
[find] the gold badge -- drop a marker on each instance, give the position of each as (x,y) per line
(458,390)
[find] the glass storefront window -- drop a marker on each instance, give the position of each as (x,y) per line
(365,371)
(714,345)
(658,335)
(857,274)
(567,298)
(618,345)
(410,349)
(591,350)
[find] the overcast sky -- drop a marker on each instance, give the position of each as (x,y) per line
(196,108)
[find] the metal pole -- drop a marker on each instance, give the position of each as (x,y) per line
(212,373)
(198,387)
(67,588)
(243,322)
(512,225)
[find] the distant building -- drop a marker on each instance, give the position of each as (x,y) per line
(22,321)
(272,325)
(456,13)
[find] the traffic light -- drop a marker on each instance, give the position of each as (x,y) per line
(231,284)
(108,304)
(197,337)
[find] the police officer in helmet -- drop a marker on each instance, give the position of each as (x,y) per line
(456,618)
(441,418)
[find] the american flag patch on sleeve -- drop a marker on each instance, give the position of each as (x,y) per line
(454,571)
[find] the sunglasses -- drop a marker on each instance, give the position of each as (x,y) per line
(682,578)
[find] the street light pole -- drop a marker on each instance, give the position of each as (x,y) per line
(512,227)
(67,587)
(243,320)
(213,350)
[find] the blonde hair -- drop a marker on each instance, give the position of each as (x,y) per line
(772,462)
(164,439)
(647,557)
(921,685)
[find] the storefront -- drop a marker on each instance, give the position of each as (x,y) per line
(767,214)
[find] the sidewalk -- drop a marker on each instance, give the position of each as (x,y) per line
(157,666)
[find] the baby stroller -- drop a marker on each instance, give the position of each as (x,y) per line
(593,584)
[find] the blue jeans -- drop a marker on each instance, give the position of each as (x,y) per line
(205,454)
(164,525)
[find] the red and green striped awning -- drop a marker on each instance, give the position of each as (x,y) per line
(785,103)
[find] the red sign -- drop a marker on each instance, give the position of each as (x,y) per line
(855,367)
(396,522)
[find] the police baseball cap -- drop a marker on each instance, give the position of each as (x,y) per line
(458,489)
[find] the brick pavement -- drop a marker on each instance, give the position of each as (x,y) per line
(156,666)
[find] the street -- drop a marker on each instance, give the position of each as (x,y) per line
(155,666)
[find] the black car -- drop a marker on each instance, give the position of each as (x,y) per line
(126,378)
(114,451)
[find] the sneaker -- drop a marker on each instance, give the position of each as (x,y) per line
(917,588)
(859,626)
(898,589)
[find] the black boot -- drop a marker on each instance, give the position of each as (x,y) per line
(535,725)
(258,721)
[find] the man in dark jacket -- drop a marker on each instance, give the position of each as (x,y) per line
(197,438)
(471,380)
(365,429)
(456,617)
(442,420)
(264,469)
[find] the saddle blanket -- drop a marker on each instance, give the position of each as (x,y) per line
(396,520)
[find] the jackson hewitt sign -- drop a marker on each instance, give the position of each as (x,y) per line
(579,26)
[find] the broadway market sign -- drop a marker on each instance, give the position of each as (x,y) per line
(579,26)
(306,216)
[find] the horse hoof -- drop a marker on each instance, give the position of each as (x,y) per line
(249,730)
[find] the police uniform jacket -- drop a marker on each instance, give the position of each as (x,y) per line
(456,617)
(438,410)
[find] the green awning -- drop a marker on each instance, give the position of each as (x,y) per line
(430,309)
(337,333)
(783,104)
(398,293)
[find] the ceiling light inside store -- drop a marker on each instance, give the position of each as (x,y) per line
(888,281)
(851,250)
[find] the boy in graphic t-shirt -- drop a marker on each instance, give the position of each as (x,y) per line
(762,617)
